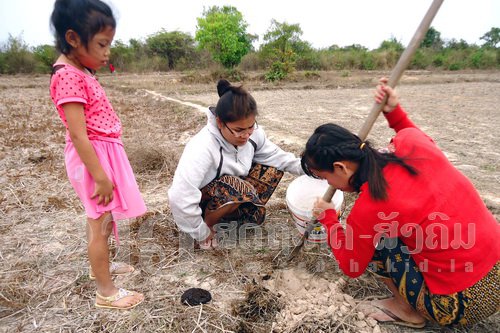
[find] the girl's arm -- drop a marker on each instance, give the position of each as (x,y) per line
(352,247)
(77,128)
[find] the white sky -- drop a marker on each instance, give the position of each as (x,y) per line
(324,22)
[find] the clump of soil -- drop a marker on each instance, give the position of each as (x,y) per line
(259,305)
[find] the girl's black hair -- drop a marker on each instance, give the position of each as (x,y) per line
(235,103)
(332,143)
(85,17)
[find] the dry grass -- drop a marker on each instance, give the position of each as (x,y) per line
(44,284)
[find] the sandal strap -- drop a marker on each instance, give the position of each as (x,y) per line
(116,297)
(114,266)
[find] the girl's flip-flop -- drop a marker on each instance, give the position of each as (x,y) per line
(107,302)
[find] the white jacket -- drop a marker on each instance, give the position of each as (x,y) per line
(200,161)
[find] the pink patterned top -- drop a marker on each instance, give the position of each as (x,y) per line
(70,85)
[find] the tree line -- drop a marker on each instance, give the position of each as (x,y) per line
(223,45)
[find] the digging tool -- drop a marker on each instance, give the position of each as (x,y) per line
(396,74)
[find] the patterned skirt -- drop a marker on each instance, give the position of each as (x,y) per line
(251,193)
(464,308)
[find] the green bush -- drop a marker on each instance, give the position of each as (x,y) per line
(3,63)
(17,57)
(278,72)
(385,59)
(484,58)
(45,55)
(147,64)
(367,61)
(420,60)
(439,60)
(455,66)
(326,60)
(309,61)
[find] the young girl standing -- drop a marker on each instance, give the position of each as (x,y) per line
(96,163)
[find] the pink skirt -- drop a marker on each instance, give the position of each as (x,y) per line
(127,200)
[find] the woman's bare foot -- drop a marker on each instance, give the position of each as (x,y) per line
(396,309)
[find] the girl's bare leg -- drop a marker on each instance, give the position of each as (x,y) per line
(98,232)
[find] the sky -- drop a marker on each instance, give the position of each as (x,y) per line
(323,22)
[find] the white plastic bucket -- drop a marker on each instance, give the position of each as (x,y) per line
(300,197)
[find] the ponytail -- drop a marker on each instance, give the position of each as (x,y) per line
(331,143)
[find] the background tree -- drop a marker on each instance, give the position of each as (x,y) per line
(172,46)
(280,40)
(46,56)
(222,31)
(385,56)
(491,38)
(282,45)
(432,39)
(456,44)
(121,55)
(391,44)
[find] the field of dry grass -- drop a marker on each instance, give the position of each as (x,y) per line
(44,284)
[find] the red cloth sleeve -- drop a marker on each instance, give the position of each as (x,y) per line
(353,248)
(398,119)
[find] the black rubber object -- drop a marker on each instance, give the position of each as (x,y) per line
(196,296)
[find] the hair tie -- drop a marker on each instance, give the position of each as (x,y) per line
(362,145)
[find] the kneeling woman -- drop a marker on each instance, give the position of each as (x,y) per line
(418,223)
(227,170)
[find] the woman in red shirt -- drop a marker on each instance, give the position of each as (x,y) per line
(418,223)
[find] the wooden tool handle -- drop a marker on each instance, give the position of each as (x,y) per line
(396,74)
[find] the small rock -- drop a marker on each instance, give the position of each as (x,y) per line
(376,329)
(372,322)
(301,302)
(360,323)
(348,298)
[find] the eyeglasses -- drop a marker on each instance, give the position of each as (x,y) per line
(239,133)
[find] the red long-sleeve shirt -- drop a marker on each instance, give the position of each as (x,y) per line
(438,214)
